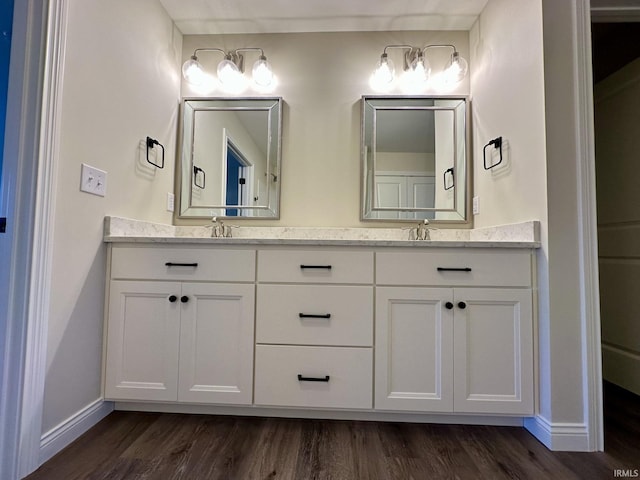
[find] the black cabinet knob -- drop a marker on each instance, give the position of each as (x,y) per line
(462,305)
(184,299)
(173,298)
(448,305)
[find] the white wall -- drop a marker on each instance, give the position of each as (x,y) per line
(322,77)
(617,103)
(507,86)
(406,162)
(121,84)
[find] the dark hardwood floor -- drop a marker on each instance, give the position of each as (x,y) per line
(128,445)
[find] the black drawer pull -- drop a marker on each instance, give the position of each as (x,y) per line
(312,315)
(448,305)
(325,267)
(184,299)
(313,379)
(172,264)
(173,298)
(447,269)
(462,305)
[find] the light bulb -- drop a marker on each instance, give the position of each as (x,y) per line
(456,70)
(192,71)
(228,72)
(262,73)
(416,75)
(385,71)
(420,69)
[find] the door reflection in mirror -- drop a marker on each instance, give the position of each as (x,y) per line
(239,174)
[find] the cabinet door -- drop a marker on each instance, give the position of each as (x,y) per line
(142,341)
(493,364)
(413,354)
(216,343)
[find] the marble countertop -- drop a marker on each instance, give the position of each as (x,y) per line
(519,235)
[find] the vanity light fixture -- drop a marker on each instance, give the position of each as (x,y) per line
(416,67)
(230,70)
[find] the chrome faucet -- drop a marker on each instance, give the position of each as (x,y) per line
(419,232)
(422,232)
(219,229)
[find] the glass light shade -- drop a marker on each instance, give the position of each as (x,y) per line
(192,71)
(456,69)
(228,72)
(262,73)
(385,72)
(420,69)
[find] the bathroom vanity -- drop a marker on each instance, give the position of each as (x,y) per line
(351,321)
(295,321)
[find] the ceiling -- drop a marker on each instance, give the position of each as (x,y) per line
(615,10)
(280,16)
(614,45)
(614,35)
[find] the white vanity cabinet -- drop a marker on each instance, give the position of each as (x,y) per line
(373,329)
(180,325)
(314,328)
(445,342)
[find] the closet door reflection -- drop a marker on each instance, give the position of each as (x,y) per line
(414,159)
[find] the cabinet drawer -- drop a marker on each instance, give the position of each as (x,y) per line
(348,373)
(455,268)
(197,264)
(315,266)
(315,315)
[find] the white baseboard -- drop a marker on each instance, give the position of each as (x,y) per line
(66,432)
(567,437)
(621,367)
(286,412)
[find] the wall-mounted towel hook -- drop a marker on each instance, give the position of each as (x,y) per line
(452,184)
(497,143)
(150,144)
(197,170)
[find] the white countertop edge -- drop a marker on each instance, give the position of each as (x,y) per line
(518,235)
(323,242)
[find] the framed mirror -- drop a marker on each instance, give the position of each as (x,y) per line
(230,155)
(415,159)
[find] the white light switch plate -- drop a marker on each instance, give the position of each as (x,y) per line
(93,180)
(171,202)
(476,206)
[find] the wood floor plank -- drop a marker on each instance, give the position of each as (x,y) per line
(275,451)
(99,447)
(439,449)
(367,449)
(150,446)
(476,441)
